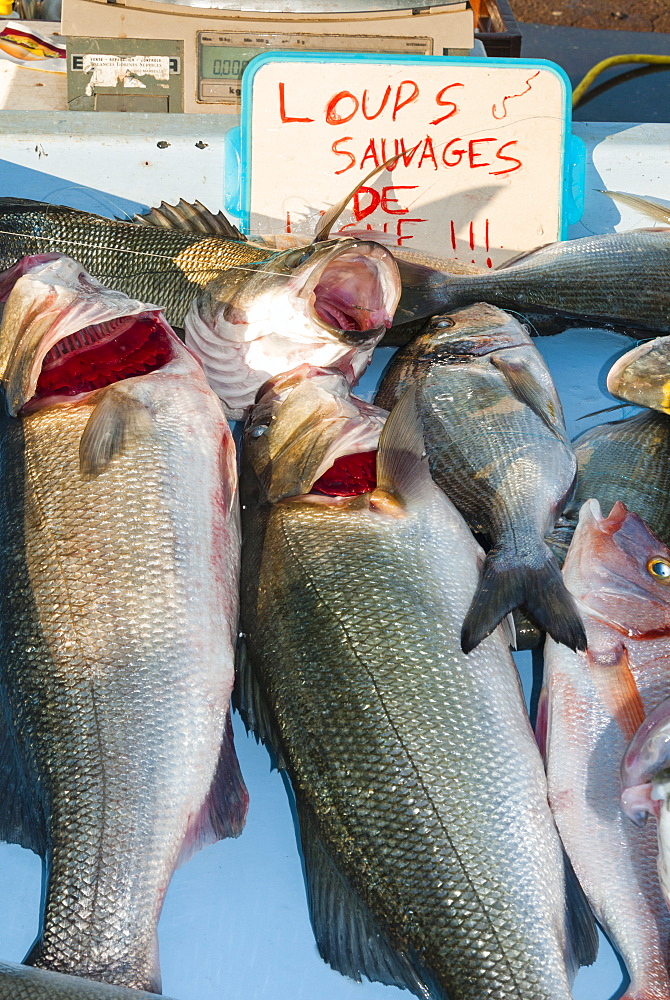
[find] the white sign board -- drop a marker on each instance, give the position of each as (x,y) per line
(483,170)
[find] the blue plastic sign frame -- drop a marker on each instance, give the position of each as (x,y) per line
(240,142)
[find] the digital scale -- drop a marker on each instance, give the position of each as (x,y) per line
(189,55)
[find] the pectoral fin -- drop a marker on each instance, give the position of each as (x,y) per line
(617,689)
(116,423)
(529,391)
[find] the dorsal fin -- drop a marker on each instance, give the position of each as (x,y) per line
(190,217)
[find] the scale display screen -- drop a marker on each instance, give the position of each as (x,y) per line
(223,57)
(220,62)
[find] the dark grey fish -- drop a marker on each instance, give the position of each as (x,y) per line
(432,860)
(618,279)
(497,445)
(642,375)
(627,460)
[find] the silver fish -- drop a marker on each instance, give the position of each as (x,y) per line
(618,279)
(431,857)
(20,982)
(119,548)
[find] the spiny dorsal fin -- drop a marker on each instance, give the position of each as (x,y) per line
(190,217)
(117,421)
(646,206)
(402,468)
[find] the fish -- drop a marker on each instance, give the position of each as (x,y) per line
(20,982)
(627,460)
(497,446)
(645,770)
(642,376)
(323,305)
(336,296)
(591,707)
(611,279)
(119,567)
(432,862)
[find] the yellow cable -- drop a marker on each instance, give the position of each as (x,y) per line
(582,87)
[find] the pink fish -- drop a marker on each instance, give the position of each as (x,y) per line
(593,703)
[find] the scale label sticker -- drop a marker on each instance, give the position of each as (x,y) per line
(126,72)
(481,147)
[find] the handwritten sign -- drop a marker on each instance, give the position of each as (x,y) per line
(482,145)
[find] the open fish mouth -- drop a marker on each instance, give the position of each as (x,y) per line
(356,290)
(64,335)
(310,435)
(101,354)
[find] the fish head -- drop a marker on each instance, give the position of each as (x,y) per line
(473,331)
(645,769)
(64,334)
(620,571)
(303,423)
(311,304)
(642,376)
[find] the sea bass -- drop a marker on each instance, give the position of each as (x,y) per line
(497,445)
(627,460)
(645,777)
(618,279)
(258,312)
(594,702)
(20,982)
(119,549)
(352,670)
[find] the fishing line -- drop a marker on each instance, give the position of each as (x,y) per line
(147,253)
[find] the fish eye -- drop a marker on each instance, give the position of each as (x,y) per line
(443,323)
(259,430)
(660,568)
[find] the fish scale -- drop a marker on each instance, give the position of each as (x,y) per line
(20,982)
(419,787)
(626,460)
(119,610)
(497,446)
(166,266)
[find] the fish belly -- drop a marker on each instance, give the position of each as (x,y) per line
(614,860)
(414,762)
(119,609)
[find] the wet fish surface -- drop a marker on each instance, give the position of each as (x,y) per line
(497,446)
(594,703)
(627,460)
(642,376)
(21,982)
(352,671)
(618,279)
(645,778)
(249,312)
(119,552)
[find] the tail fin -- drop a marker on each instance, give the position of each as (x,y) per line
(507,583)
